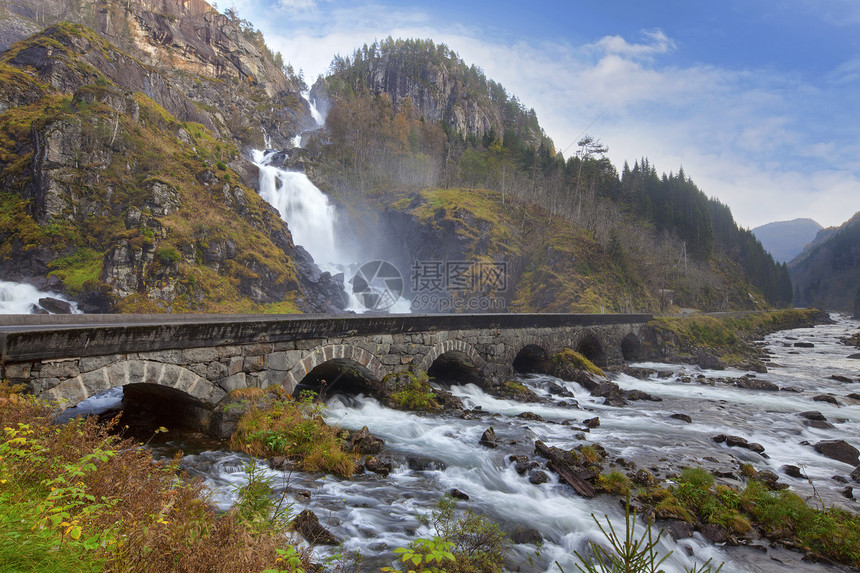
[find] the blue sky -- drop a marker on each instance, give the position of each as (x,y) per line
(758,101)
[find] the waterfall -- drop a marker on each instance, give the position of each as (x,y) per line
(313,222)
(306,209)
(21,298)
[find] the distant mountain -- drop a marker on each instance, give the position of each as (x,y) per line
(827,273)
(784,240)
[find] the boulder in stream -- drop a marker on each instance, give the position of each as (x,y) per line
(310,528)
(488,438)
(838,450)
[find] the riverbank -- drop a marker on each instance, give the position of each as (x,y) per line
(717,341)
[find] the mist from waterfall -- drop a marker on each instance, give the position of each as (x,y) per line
(313,219)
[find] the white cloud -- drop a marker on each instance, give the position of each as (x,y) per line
(296,5)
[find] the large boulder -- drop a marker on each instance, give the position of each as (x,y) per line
(838,450)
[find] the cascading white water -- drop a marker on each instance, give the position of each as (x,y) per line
(312,218)
(306,209)
(20,298)
(316,114)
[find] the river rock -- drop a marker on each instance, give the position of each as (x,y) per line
(309,526)
(804,345)
(640,395)
(488,438)
(682,417)
(538,477)
(525,535)
(591,422)
(855,475)
(836,377)
(838,450)
(559,390)
(830,399)
(770,480)
(792,471)
(424,464)
(708,361)
(363,442)
(812,415)
(855,356)
(521,463)
(377,466)
(611,393)
(715,533)
(643,477)
(821,425)
(679,529)
(848,492)
(55,305)
(756,384)
(530,416)
(457,494)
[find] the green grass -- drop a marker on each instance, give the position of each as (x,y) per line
(76,270)
(283,426)
(25,548)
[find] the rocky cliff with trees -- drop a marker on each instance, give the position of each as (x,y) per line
(575,234)
(827,272)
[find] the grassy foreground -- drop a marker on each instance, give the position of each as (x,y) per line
(75,498)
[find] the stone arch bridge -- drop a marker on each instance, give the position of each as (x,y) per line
(192,362)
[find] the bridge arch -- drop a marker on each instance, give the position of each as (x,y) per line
(447,346)
(631,348)
(145,372)
(533,357)
(453,361)
(338,357)
(592,348)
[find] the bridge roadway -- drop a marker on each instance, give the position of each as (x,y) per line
(200,359)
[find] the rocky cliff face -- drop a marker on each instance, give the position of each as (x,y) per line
(190,44)
(122,178)
(438,94)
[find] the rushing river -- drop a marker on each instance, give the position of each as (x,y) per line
(435,453)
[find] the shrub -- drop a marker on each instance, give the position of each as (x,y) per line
(167,255)
(630,554)
(614,482)
(478,545)
(92,501)
(295,429)
(417,394)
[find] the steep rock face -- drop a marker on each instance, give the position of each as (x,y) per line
(190,44)
(439,85)
(436,92)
